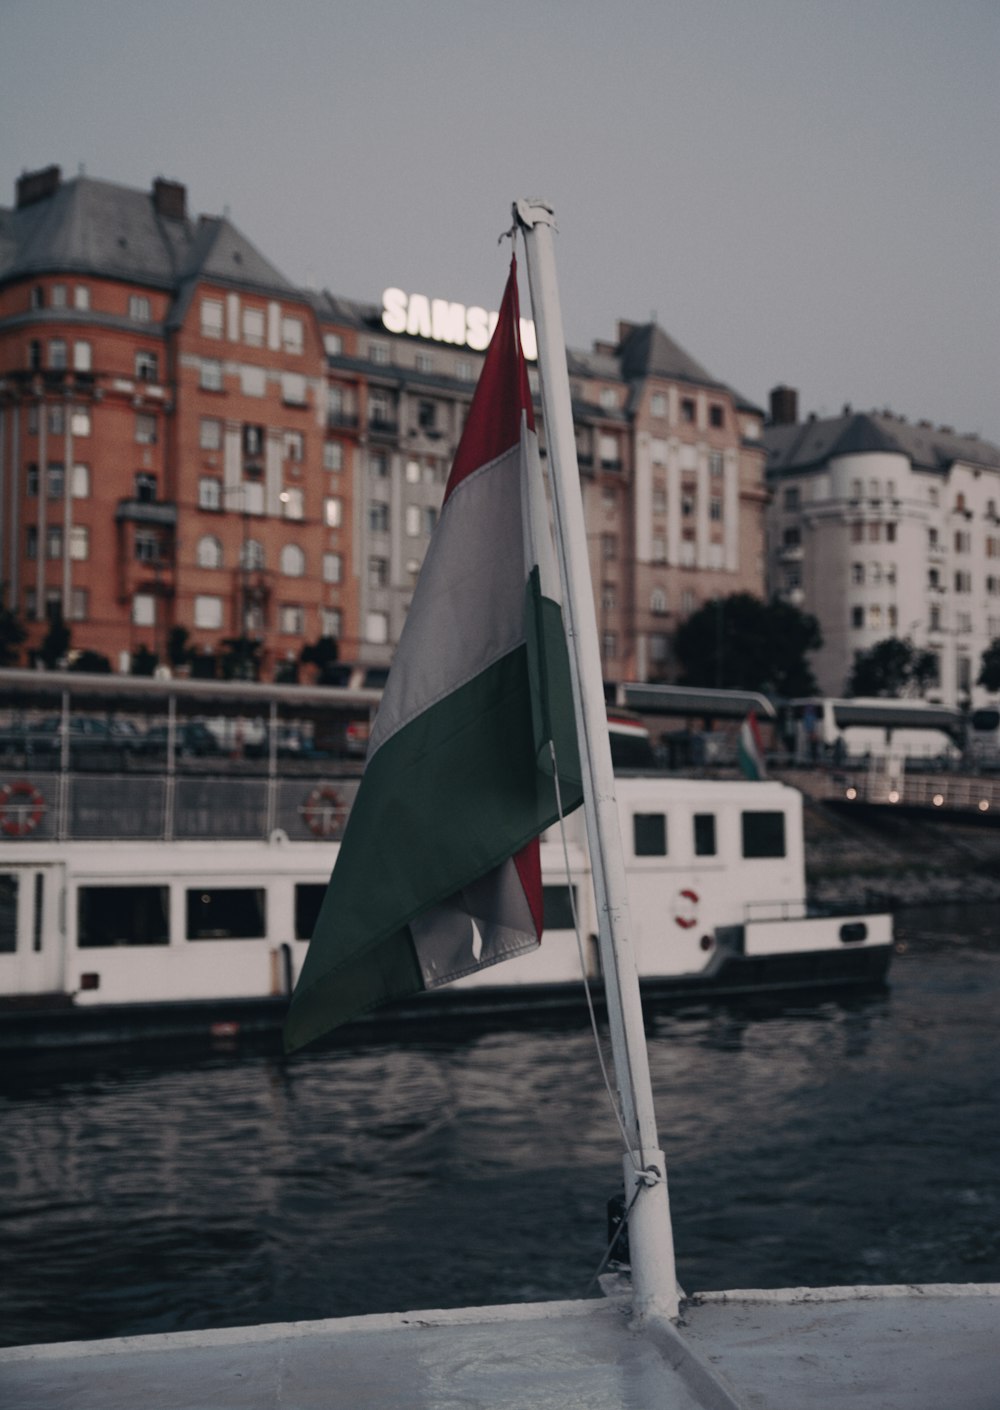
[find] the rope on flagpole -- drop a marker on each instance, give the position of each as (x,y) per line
(615,1107)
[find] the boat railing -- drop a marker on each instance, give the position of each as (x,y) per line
(760,911)
(204,804)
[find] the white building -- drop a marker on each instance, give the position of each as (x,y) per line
(885,528)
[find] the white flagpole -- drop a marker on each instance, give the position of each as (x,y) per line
(651,1245)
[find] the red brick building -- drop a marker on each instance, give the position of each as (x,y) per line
(163,434)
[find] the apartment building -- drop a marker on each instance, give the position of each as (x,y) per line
(189,440)
(882,527)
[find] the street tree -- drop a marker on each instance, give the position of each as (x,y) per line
(892,667)
(742,643)
(989,666)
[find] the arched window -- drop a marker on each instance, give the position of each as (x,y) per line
(293,561)
(209,552)
(252,554)
(658,601)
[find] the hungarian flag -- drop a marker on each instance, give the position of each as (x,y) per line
(751,748)
(438,873)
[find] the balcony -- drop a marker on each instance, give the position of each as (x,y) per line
(383,428)
(146,511)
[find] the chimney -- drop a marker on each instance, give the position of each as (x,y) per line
(170,199)
(624,329)
(34,186)
(784,406)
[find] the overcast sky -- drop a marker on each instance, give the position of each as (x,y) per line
(800,191)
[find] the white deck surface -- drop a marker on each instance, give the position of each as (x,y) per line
(935,1347)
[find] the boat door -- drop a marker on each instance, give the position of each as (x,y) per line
(31,949)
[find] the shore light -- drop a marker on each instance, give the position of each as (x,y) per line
(938,799)
(984,806)
(852,793)
(893,796)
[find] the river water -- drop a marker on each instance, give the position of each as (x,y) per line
(852,1141)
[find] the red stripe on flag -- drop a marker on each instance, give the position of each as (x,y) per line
(494,421)
(529,869)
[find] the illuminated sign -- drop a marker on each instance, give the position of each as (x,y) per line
(445,322)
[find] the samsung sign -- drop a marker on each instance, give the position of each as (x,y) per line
(445,322)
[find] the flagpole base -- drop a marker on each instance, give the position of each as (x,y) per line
(650,1237)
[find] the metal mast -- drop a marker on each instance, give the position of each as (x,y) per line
(651,1242)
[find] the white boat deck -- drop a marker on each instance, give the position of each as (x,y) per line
(884,1348)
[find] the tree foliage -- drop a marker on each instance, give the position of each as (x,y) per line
(741,643)
(892,667)
(323,654)
(989,666)
(55,643)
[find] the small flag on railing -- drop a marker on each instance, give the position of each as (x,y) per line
(751,749)
(439,871)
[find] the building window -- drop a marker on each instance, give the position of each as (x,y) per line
(875,616)
(333,344)
(252,556)
(424,362)
(57,354)
(293,561)
(54,542)
(207,612)
(147,546)
(426,415)
(963,582)
(609,547)
(210,433)
(430,519)
(963,541)
(716,415)
(79,422)
(139,309)
(333,567)
(81,297)
(82,357)
(333,455)
(292,503)
(609,646)
(874,532)
(608,398)
(377,628)
(716,464)
(208,553)
(379,353)
(31,542)
(81,482)
(253,327)
(211,318)
(79,605)
(715,509)
(210,378)
(659,550)
(890,533)
(209,492)
(333,512)
(55,480)
(858,574)
(58,295)
(658,602)
(330,621)
(790,498)
(294,447)
(413,472)
(688,410)
(291,334)
(144,609)
(79,542)
(145,488)
(34,355)
(378,572)
(792,537)
(147,368)
(659,501)
(253,381)
(378,516)
(857,616)
(291,619)
(378,464)
(657,404)
(145,429)
(293,389)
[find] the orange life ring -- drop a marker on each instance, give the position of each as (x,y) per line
(22,808)
(324,812)
(684,915)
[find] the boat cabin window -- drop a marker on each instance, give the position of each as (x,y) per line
(763,834)
(308,899)
(557,906)
(226,913)
(649,834)
(704,835)
(8,915)
(122,915)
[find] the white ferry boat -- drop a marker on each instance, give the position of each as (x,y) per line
(165,846)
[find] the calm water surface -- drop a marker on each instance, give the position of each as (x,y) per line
(846,1142)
